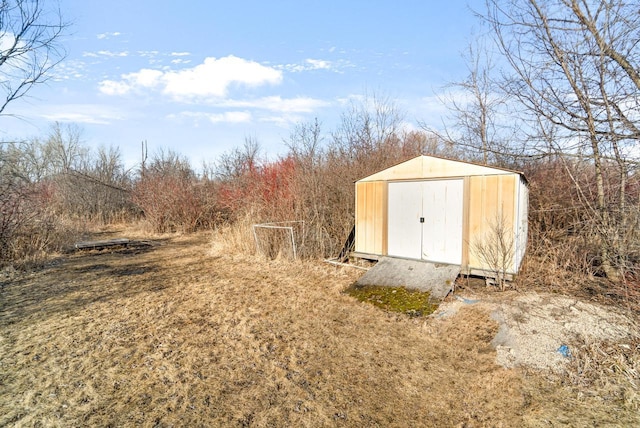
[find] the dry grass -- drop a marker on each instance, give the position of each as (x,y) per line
(607,370)
(235,238)
(178,334)
(549,269)
(601,387)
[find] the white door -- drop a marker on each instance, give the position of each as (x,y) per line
(442,227)
(404,228)
(425,220)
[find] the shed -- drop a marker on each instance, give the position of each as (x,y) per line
(444,211)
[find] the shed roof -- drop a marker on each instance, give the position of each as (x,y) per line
(423,167)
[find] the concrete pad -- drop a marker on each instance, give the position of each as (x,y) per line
(437,278)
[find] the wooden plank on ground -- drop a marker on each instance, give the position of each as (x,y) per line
(91,245)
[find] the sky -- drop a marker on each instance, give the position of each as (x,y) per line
(200,76)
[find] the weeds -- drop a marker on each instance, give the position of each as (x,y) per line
(610,371)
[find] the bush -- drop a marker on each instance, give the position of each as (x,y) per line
(172,198)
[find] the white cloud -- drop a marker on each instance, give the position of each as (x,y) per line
(212,78)
(13,52)
(318,64)
(69,70)
(75,118)
(351,99)
(180,54)
(114,54)
(105,53)
(81,113)
(110,87)
(145,78)
(225,117)
(231,117)
(284,120)
(16,56)
(409,126)
(278,110)
(6,41)
(148,54)
(311,64)
(279,104)
(108,35)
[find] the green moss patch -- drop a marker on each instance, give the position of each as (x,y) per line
(394,299)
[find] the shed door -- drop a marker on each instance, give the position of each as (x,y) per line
(404,227)
(425,220)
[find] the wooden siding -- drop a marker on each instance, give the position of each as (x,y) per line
(371,217)
(492,200)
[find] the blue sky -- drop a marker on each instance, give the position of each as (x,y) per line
(200,76)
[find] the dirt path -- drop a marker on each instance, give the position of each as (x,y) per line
(174,334)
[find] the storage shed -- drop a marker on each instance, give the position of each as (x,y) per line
(444,211)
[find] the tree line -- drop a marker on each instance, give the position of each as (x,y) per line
(552,90)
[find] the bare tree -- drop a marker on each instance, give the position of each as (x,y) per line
(305,143)
(29,171)
(239,161)
(65,149)
(476,105)
(14,189)
(30,33)
(368,134)
(98,189)
(29,49)
(574,67)
(307,152)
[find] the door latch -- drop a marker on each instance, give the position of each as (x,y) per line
(421,219)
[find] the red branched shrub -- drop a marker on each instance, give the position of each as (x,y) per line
(263,188)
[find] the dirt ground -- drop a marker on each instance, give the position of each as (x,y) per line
(177,331)
(538,330)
